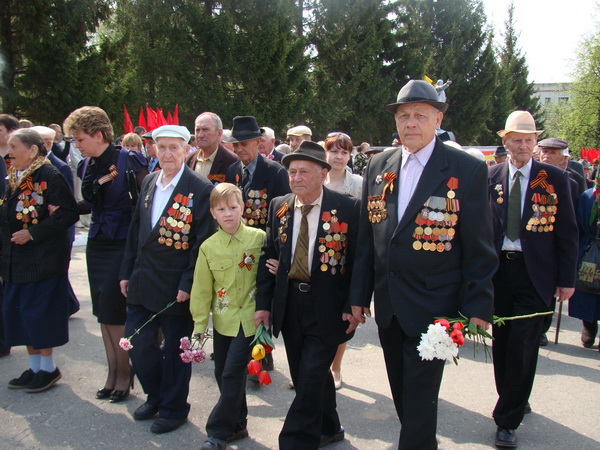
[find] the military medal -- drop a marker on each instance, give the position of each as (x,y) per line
(333,246)
(452,185)
(177,225)
(378,179)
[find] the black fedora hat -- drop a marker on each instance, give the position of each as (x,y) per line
(417,91)
(245,128)
(500,151)
(307,151)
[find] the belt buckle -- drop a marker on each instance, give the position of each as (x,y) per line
(304,287)
(511,255)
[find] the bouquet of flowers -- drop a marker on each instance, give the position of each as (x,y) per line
(445,335)
(192,350)
(125,342)
(262,344)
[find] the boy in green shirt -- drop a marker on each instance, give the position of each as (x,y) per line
(225,279)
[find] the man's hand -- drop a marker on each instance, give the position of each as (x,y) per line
(360,313)
(272,265)
(124,284)
(262,316)
(480,323)
(52,209)
(21,237)
(563,293)
(353,323)
(182,296)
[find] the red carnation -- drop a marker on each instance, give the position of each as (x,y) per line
(443,322)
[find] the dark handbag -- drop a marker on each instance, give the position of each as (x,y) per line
(588,275)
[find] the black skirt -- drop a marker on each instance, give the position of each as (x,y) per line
(104,259)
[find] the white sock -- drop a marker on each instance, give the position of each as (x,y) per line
(47,364)
(34,362)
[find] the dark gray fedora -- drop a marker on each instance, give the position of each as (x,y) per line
(307,151)
(245,128)
(500,151)
(417,91)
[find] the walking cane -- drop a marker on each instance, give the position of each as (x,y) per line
(560,305)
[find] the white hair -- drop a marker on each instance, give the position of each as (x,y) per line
(269,133)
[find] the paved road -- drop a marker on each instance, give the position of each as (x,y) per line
(565,398)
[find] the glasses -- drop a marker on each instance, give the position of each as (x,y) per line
(337,134)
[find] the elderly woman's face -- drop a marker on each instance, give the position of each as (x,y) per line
(20,155)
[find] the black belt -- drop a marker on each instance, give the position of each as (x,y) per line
(512,255)
(300,286)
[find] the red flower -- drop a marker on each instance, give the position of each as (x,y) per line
(458,326)
(458,337)
(254,367)
(264,378)
(443,322)
(268,348)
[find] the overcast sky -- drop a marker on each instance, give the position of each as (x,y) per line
(551,31)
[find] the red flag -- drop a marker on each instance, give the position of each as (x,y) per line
(160,117)
(152,120)
(176,115)
(170,118)
(127,125)
(142,120)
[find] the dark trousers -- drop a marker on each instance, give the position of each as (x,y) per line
(516,344)
(415,386)
(3,346)
(231,360)
(313,412)
(162,374)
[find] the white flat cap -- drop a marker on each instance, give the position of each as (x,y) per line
(171,131)
(44,132)
(300,130)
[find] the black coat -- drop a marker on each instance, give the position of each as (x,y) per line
(414,284)
(156,272)
(329,292)
(49,253)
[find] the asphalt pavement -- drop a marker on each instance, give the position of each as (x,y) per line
(565,398)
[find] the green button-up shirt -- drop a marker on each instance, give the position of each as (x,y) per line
(225,279)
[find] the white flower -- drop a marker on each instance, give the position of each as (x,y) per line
(437,343)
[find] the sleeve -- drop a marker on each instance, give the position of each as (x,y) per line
(566,234)
(265,280)
(131,246)
(282,185)
(353,238)
(139,164)
(202,292)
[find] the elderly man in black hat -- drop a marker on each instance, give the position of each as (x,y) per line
(312,233)
(500,155)
(260,179)
(425,250)
(556,152)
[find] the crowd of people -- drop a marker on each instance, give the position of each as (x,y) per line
(228,227)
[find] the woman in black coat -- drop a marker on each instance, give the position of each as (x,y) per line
(36,252)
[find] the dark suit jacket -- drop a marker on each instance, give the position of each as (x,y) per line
(329,292)
(156,271)
(581,184)
(62,154)
(268,175)
(63,167)
(419,285)
(2,177)
(550,257)
(218,171)
(577,167)
(49,253)
(276,156)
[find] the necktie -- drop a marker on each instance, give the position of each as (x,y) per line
(513,224)
(299,269)
(245,178)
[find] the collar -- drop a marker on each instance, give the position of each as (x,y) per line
(173,182)
(211,158)
(318,202)
(227,238)
(251,165)
(525,170)
(422,155)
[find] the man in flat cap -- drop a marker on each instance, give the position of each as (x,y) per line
(260,179)
(556,152)
(298,134)
(210,158)
(536,238)
(425,251)
(312,232)
(500,155)
(170,222)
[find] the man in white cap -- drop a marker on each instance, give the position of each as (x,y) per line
(298,134)
(536,238)
(266,147)
(170,222)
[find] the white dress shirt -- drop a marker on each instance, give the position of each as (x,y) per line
(313,225)
(507,244)
(162,195)
(411,170)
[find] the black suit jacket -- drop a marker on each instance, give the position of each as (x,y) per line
(64,169)
(49,253)
(551,256)
(270,177)
(218,171)
(419,285)
(276,156)
(156,272)
(329,291)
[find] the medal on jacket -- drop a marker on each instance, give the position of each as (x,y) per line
(334,245)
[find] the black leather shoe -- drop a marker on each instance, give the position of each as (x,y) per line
(145,412)
(22,381)
(543,340)
(42,381)
(327,439)
(506,438)
(163,425)
(104,393)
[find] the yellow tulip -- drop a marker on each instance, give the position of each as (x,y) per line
(258,352)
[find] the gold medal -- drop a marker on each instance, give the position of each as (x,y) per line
(440,247)
(185,246)
(331,252)
(284,238)
(336,237)
(322,248)
(19,216)
(178,245)
(176,236)
(419,231)
(169,242)
(451,231)
(499,200)
(251,222)
(34,221)
(417,245)
(326,226)
(161,240)
(180,224)
(323,267)
(428,231)
(451,194)
(187,227)
(426,246)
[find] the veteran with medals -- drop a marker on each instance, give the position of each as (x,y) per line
(425,251)
(536,236)
(312,233)
(170,222)
(260,179)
